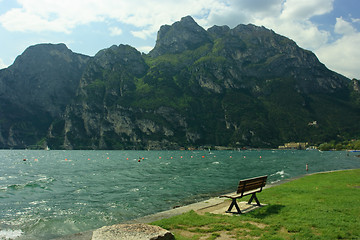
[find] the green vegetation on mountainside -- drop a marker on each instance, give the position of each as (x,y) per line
(254,112)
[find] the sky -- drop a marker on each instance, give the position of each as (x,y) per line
(329,28)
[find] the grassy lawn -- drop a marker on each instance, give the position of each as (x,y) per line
(320,206)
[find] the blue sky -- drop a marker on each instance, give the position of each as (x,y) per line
(329,28)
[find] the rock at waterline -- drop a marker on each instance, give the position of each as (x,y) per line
(132,232)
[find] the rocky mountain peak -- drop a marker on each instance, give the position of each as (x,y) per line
(40,53)
(183,35)
(44,75)
(251,28)
(218,31)
(123,57)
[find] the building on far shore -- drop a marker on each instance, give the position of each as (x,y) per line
(294,145)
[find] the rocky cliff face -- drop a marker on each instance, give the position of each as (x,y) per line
(181,36)
(35,90)
(245,86)
(43,72)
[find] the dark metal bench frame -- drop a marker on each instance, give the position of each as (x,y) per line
(246,187)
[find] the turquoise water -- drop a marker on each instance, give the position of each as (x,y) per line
(55,193)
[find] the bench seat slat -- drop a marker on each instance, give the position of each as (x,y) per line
(239,195)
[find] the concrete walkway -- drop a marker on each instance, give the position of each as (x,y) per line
(213,205)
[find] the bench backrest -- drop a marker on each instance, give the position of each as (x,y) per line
(251,184)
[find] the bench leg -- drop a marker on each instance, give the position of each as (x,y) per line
(234,203)
(253,197)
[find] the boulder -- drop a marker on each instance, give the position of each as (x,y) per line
(132,232)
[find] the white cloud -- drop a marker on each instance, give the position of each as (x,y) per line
(115,31)
(18,20)
(234,12)
(267,7)
(305,9)
(289,18)
(2,64)
(343,55)
(306,34)
(145,49)
(343,27)
(144,34)
(65,15)
(294,22)
(47,15)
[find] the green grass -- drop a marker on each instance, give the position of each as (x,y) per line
(320,206)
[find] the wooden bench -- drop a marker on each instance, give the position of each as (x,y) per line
(246,187)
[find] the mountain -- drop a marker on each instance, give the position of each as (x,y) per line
(35,91)
(181,36)
(245,86)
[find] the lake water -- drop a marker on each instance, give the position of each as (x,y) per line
(55,193)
